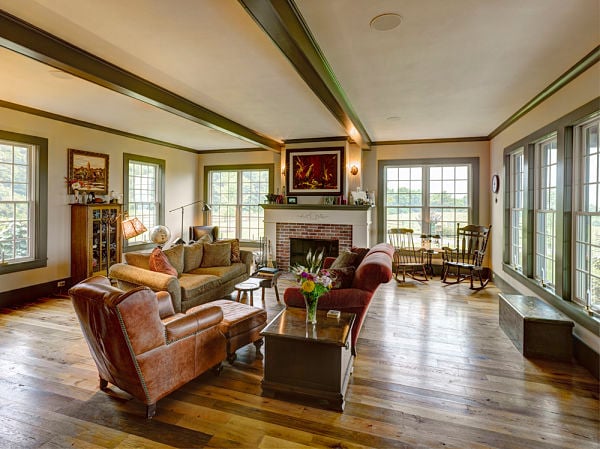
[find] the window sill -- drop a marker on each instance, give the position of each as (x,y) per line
(572,310)
(22,266)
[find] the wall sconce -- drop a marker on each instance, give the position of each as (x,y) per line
(354,170)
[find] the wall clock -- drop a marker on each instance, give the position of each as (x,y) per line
(495,184)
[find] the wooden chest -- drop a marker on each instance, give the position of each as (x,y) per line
(536,328)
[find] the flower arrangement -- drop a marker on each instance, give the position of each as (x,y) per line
(314,282)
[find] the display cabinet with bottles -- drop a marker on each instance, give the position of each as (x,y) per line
(95,239)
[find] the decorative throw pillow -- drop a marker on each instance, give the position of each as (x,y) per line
(175,256)
(341,277)
(235,249)
(361,253)
(216,255)
(138,259)
(160,263)
(192,256)
(345,259)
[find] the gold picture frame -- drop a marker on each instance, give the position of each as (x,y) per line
(88,170)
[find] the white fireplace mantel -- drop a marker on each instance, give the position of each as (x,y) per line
(359,217)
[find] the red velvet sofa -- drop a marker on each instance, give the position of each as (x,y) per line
(373,270)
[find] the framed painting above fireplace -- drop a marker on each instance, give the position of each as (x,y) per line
(315,171)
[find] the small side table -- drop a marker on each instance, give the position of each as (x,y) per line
(429,253)
(267,278)
(246,287)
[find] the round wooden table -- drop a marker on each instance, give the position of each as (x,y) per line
(246,287)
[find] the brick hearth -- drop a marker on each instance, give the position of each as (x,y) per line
(285,231)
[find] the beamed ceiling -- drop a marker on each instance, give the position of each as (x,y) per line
(213,75)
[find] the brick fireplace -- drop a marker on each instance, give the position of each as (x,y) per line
(350,225)
(286,231)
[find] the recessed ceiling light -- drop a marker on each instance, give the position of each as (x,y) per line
(386,22)
(60,74)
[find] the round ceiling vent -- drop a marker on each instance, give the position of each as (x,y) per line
(386,22)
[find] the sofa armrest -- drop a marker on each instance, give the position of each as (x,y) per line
(247,259)
(154,280)
(338,299)
(192,323)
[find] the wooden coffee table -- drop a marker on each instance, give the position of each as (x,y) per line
(308,360)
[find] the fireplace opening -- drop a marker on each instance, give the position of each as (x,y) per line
(299,249)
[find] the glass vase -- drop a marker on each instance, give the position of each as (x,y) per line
(311,309)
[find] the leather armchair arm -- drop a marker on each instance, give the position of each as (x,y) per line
(165,304)
(328,262)
(192,323)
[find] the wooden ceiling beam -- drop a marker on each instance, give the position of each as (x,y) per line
(283,23)
(28,40)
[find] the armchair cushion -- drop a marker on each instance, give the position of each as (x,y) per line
(216,255)
(160,262)
(341,277)
(345,259)
(235,249)
(175,256)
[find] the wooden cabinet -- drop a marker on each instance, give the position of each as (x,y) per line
(95,231)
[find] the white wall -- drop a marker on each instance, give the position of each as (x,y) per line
(577,93)
(182,183)
(433,151)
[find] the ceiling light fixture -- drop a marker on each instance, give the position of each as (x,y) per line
(386,22)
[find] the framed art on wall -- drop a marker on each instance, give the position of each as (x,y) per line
(315,171)
(89,170)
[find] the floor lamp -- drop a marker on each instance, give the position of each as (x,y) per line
(205,208)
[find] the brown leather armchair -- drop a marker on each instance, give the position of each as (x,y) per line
(138,351)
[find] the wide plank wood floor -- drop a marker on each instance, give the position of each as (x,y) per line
(434,370)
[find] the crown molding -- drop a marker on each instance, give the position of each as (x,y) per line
(421,141)
(580,66)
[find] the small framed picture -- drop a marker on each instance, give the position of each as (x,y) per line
(292,200)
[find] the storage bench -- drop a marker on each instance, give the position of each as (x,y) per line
(536,328)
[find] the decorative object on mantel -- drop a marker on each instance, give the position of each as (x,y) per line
(88,169)
(315,171)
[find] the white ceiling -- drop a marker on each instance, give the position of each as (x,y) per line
(452,69)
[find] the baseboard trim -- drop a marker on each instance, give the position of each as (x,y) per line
(32,292)
(583,354)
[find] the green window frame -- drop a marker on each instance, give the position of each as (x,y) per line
(23,201)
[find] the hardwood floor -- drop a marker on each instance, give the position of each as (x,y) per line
(434,370)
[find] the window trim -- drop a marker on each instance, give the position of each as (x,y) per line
(209,168)
(384,163)
(127,157)
(40,178)
(561,297)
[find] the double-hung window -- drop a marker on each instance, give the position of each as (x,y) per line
(517,200)
(429,196)
(23,199)
(587,216)
(235,195)
(545,211)
(144,194)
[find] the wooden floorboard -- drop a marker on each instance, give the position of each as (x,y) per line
(434,370)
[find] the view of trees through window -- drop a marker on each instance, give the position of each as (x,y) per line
(429,199)
(16,202)
(234,197)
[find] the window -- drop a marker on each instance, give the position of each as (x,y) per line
(545,211)
(430,197)
(517,199)
(144,194)
(23,207)
(587,216)
(234,195)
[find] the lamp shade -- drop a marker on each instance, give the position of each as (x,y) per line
(205,207)
(132,227)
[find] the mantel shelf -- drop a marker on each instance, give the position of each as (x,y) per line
(337,207)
